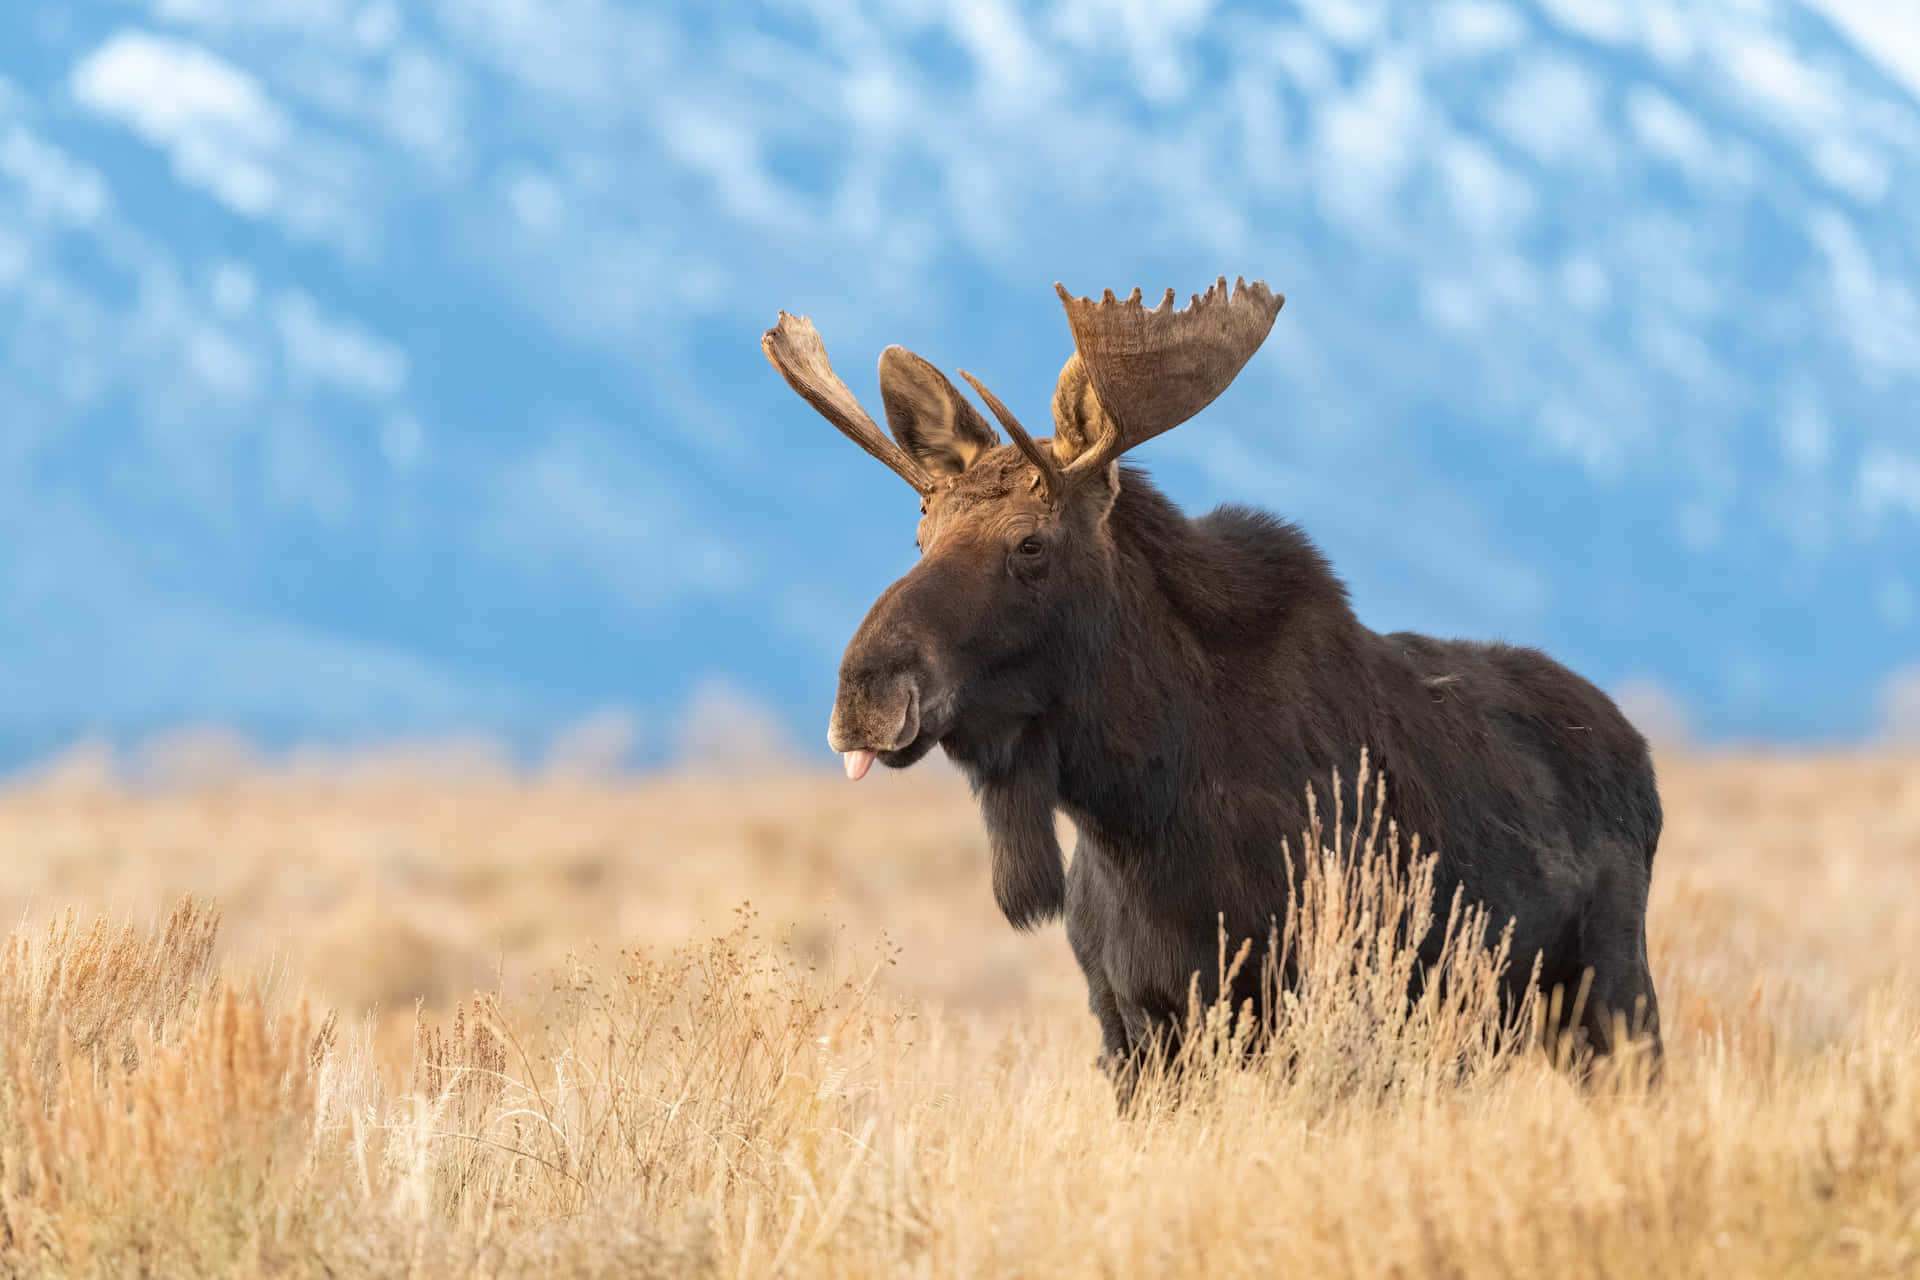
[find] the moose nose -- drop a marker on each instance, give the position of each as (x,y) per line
(873,713)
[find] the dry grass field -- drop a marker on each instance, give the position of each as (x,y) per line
(423,1023)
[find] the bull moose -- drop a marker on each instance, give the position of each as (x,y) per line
(1075,642)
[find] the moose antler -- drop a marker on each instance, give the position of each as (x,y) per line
(1152,370)
(1053,484)
(794,348)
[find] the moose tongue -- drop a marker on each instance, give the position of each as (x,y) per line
(858,762)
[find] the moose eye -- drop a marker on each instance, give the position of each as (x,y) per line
(1030,546)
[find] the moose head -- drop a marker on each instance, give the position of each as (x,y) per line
(1016,579)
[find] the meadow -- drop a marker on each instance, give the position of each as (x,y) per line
(451,1020)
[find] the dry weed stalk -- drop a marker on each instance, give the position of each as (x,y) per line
(193,1150)
(101,986)
(1337,1022)
(692,1073)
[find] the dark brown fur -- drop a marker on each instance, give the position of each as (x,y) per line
(1172,684)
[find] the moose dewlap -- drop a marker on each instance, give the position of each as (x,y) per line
(1075,642)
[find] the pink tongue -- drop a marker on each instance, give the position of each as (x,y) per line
(858,762)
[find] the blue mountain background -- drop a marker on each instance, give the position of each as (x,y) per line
(373,369)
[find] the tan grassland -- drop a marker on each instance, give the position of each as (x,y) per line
(619,1068)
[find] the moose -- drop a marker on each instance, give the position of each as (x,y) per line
(1074,642)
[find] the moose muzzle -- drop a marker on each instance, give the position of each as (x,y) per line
(896,697)
(871,715)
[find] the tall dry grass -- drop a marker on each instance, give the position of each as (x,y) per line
(689,1089)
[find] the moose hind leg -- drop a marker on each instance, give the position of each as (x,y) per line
(1621,1006)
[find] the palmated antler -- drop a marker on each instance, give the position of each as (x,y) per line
(1052,483)
(1152,370)
(794,348)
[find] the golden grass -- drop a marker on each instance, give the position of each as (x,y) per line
(619,1070)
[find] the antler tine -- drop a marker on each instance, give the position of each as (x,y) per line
(1051,478)
(794,348)
(1153,369)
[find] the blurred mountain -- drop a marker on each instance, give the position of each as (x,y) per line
(379,369)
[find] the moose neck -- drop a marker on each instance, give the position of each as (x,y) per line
(1217,627)
(1203,637)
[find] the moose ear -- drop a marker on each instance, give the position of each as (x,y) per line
(932,421)
(1079,423)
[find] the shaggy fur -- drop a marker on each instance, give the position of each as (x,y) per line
(1173,684)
